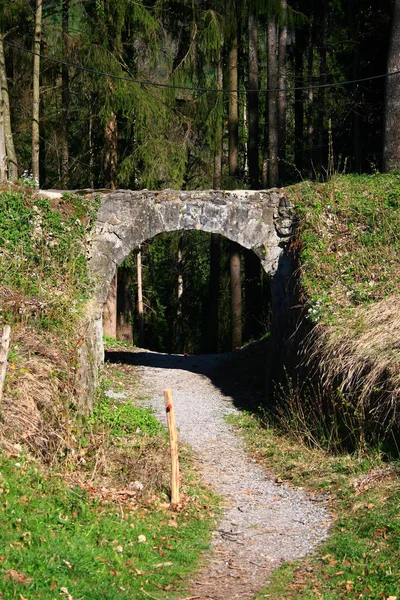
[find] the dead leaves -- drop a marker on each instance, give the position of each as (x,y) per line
(18,577)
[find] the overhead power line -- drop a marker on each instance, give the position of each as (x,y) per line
(171,86)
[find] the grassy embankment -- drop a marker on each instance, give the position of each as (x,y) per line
(84,508)
(339,434)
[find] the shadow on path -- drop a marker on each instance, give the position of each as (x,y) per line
(239,374)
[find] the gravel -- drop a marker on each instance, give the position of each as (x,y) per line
(264,522)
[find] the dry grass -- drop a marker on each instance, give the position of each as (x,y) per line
(36,394)
(361,357)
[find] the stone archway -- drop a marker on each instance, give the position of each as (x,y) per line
(262,221)
(259,221)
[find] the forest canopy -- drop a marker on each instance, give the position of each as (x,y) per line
(157,93)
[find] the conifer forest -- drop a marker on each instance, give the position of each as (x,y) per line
(241,94)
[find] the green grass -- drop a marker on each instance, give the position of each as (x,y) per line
(43,258)
(72,527)
(361,559)
(348,242)
(54,537)
(122,418)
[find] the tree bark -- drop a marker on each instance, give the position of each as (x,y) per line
(322,81)
(140,298)
(110,310)
(179,312)
(12,163)
(310,97)
(391,147)
(236,296)
(36,92)
(253,297)
(264,165)
(91,149)
(217,178)
(252,100)
(272,103)
(233,107)
(65,97)
(111,151)
(3,156)
(282,79)
(213,294)
(298,102)
(124,306)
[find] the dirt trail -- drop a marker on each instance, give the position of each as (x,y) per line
(264,523)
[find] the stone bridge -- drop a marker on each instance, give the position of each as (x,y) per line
(261,221)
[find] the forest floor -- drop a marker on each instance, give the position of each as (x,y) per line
(264,521)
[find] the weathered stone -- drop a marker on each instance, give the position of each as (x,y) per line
(261,221)
(128,218)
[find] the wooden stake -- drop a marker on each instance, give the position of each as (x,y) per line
(173,438)
(4,346)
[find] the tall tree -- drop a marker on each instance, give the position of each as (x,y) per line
(12,163)
(3,156)
(298,101)
(233,102)
(236,296)
(36,91)
(140,298)
(124,304)
(391,147)
(322,81)
(310,94)
(272,80)
(252,98)
(282,81)
(65,95)
(218,144)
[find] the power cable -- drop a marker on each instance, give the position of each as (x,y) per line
(195,89)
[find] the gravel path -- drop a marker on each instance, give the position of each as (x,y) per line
(264,523)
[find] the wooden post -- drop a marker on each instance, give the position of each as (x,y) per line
(4,346)
(173,437)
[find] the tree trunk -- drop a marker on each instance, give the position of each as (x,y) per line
(272,103)
(36,92)
(124,306)
(217,178)
(236,296)
(252,100)
(264,166)
(298,102)
(252,291)
(110,310)
(233,107)
(140,298)
(8,136)
(3,156)
(283,34)
(111,152)
(391,148)
(213,294)
(65,97)
(310,98)
(91,149)
(322,81)
(179,314)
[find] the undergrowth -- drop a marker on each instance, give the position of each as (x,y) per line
(348,242)
(43,259)
(347,248)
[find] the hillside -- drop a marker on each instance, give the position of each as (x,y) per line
(348,247)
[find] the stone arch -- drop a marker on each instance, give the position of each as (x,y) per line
(259,221)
